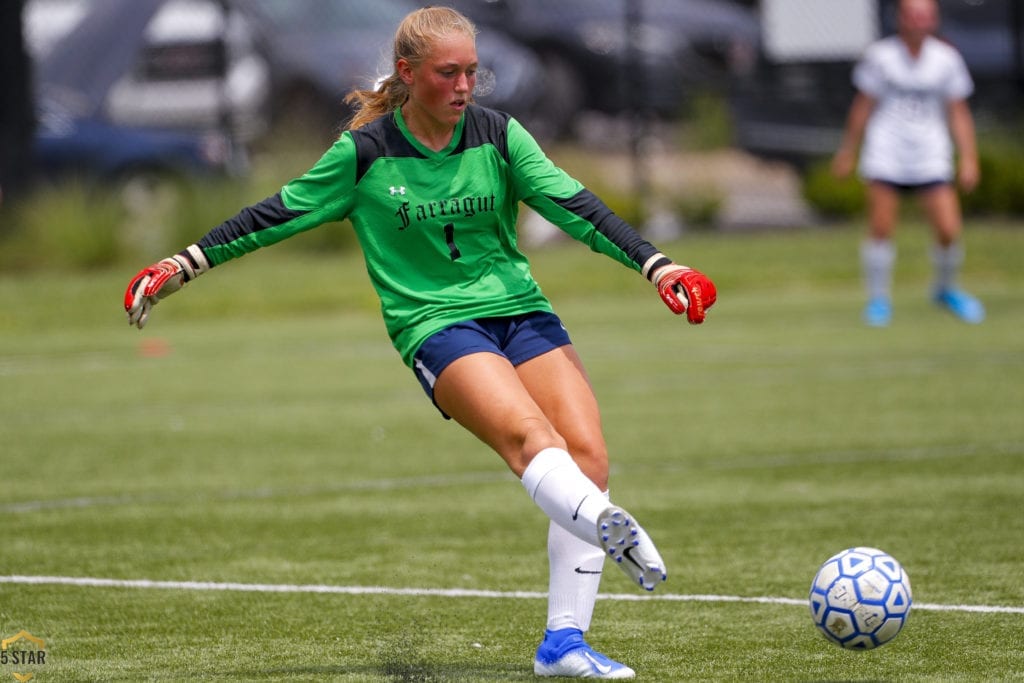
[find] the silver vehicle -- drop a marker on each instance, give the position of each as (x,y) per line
(319,50)
(191,64)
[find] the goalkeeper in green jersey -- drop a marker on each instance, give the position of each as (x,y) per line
(431,184)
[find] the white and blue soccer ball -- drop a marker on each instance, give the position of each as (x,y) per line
(860,598)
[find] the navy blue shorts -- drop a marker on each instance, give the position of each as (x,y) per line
(911,188)
(518,338)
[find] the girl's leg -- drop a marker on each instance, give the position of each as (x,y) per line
(564,393)
(878,252)
(484,393)
(501,405)
(522,413)
(942,207)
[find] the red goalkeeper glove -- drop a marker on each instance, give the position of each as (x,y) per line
(688,291)
(160,280)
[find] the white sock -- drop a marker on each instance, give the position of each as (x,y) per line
(575,576)
(946,261)
(558,486)
(877,258)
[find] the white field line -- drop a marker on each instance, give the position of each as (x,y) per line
(93,582)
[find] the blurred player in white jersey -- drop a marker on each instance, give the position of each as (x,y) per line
(913,129)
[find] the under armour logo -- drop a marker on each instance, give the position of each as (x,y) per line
(397,190)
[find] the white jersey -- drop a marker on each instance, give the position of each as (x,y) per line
(907,138)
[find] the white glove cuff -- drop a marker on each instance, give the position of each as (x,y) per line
(653,263)
(663,270)
(193,262)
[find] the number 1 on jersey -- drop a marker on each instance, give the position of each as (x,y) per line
(449,237)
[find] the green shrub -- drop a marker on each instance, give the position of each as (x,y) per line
(1000,192)
(832,197)
(1001,189)
(82,225)
(67,226)
(707,123)
(700,209)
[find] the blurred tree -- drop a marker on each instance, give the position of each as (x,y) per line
(17,120)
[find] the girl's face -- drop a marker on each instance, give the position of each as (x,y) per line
(442,85)
(918,18)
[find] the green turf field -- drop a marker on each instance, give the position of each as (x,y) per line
(254,488)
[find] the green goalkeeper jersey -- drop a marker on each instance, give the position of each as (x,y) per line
(437,228)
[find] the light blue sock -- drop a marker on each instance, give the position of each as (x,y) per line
(946,261)
(878,258)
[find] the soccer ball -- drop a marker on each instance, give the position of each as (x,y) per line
(860,598)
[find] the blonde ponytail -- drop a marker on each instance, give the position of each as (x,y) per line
(370,104)
(414,39)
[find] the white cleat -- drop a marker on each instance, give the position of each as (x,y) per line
(566,654)
(631,548)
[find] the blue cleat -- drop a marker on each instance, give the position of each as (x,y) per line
(878,312)
(961,304)
(565,653)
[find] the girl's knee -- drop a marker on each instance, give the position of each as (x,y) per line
(592,458)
